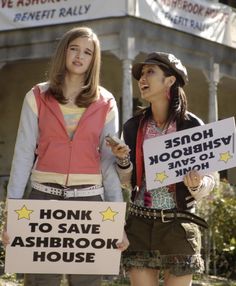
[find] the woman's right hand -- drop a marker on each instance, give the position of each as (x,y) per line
(5,238)
(124,244)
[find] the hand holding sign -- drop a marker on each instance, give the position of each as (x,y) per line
(193,180)
(206,148)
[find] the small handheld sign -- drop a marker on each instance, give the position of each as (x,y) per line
(206,148)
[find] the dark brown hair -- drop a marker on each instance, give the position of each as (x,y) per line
(178,101)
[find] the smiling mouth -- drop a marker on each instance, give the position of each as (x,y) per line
(144,87)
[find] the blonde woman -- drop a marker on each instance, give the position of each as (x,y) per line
(61,138)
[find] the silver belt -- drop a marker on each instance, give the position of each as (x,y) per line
(69,192)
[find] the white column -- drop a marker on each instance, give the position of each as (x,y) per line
(213,102)
(126,54)
(213,78)
(127,90)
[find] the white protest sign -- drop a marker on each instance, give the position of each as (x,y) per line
(205,148)
(70,237)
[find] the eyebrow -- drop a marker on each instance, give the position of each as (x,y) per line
(73,45)
(147,67)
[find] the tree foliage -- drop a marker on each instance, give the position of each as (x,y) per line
(219,209)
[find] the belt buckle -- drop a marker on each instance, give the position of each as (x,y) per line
(64,193)
(163,217)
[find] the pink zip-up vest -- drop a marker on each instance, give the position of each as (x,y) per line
(56,152)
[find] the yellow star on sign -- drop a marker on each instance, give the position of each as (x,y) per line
(161,177)
(108,214)
(24,213)
(225,156)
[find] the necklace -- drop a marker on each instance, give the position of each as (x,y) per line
(162,131)
(155,129)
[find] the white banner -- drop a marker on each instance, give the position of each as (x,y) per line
(70,237)
(206,148)
(201,18)
(212,21)
(17,14)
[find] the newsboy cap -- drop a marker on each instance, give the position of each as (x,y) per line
(165,59)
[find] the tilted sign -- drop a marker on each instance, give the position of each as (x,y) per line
(205,148)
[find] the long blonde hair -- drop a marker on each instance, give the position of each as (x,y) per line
(57,71)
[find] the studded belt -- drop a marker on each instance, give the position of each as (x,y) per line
(166,215)
(69,192)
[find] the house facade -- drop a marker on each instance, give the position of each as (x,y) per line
(201,33)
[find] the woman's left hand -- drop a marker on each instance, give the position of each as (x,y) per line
(193,180)
(124,244)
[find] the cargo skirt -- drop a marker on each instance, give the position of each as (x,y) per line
(173,246)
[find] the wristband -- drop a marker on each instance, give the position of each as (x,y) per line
(124,162)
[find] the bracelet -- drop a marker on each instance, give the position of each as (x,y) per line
(124,162)
(193,189)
